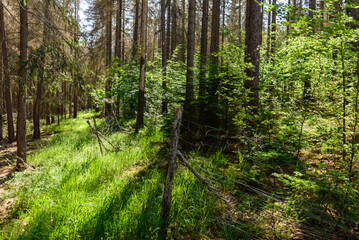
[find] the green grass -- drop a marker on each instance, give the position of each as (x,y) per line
(74,192)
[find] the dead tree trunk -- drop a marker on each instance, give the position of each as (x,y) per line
(167,194)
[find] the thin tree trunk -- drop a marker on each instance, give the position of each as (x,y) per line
(118,30)
(274,27)
(123,31)
(37,104)
(204,48)
(164,54)
(21,106)
(253,36)
(203,61)
(6,69)
(141,93)
(307,83)
(168,30)
(109,56)
(288,18)
(76,75)
(183,31)
(135,31)
(190,57)
(174,27)
(223,19)
(1,96)
(240,21)
(269,31)
(214,49)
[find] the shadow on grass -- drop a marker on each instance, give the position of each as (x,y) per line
(107,223)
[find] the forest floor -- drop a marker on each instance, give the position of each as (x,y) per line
(7,165)
(71,190)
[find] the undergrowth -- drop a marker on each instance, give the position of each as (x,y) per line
(75,192)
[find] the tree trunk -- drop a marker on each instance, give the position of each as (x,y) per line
(76,74)
(190,57)
(269,31)
(223,19)
(21,106)
(6,69)
(312,8)
(203,61)
(164,54)
(183,48)
(118,30)
(253,36)
(288,18)
(174,27)
(141,92)
(240,21)
(307,83)
(109,56)
(135,30)
(123,31)
(1,95)
(37,104)
(274,27)
(214,80)
(168,30)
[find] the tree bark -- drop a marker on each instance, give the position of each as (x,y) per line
(253,36)
(240,21)
(123,31)
(174,27)
(168,30)
(37,104)
(164,54)
(171,170)
(204,48)
(76,74)
(183,48)
(274,27)
(21,106)
(118,30)
(190,57)
(1,96)
(269,31)
(109,56)
(6,69)
(214,80)
(141,90)
(135,30)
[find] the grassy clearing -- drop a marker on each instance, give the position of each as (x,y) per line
(74,192)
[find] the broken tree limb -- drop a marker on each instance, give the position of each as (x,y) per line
(216,192)
(94,130)
(195,173)
(167,194)
(118,124)
(101,135)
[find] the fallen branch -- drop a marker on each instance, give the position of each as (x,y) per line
(94,130)
(100,134)
(118,124)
